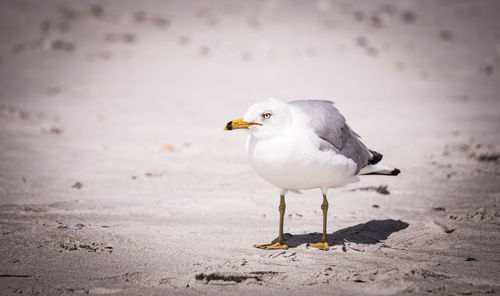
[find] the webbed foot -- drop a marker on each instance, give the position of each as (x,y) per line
(275,246)
(321,245)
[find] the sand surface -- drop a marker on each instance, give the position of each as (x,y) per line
(116,176)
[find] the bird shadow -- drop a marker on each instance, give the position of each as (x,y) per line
(370,233)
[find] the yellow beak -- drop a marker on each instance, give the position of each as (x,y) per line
(239,123)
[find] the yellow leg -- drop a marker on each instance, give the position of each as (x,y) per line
(280,244)
(323,244)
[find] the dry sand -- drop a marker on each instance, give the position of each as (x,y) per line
(116,177)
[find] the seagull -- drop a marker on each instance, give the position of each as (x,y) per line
(302,145)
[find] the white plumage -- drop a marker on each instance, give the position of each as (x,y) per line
(304,145)
(286,152)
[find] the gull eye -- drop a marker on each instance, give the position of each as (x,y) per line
(266,115)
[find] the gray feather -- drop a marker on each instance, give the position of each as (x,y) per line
(335,134)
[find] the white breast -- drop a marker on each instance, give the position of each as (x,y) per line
(293,161)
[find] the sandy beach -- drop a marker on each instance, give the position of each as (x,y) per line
(117,178)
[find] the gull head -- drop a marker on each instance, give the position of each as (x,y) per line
(265,118)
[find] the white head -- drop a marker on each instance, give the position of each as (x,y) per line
(265,118)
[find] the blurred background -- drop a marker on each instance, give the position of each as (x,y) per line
(103,92)
(116,175)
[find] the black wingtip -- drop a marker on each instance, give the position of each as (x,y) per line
(395,172)
(377,157)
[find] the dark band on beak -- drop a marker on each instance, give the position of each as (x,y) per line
(238,124)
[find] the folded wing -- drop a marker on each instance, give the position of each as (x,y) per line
(330,126)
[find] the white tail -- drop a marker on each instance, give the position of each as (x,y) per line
(379,169)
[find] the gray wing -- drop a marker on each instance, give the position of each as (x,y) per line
(331,127)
